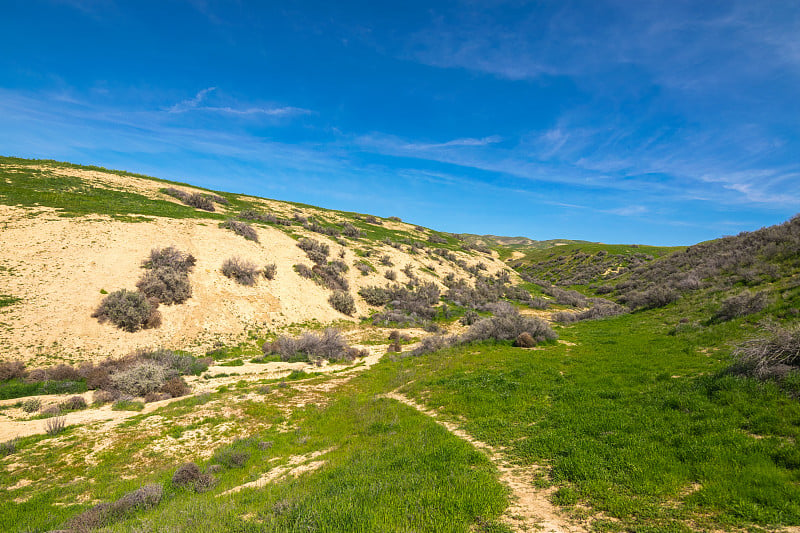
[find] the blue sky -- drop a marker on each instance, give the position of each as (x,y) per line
(615,121)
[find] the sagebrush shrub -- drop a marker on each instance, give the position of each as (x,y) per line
(773,354)
(364,268)
(8,447)
(166,285)
(156,397)
(391,275)
(376,296)
(101,396)
(270,270)
(508,324)
(128,310)
(240,228)
(329,345)
(524,340)
(60,372)
(742,304)
(242,271)
(31,405)
(140,379)
(200,201)
(343,302)
(170,257)
(175,387)
(55,425)
(231,457)
(189,475)
(349,230)
(74,403)
(12,370)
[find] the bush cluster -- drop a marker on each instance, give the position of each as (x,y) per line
(506,325)
(269,218)
(329,345)
(773,354)
(137,374)
(165,280)
(103,514)
(241,228)
(742,304)
(315,250)
(600,309)
(190,476)
(200,201)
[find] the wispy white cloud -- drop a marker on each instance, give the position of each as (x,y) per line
(627,211)
(198,103)
(485,141)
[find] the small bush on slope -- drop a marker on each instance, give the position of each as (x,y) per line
(241,271)
(241,228)
(742,304)
(170,257)
(343,302)
(128,310)
(329,345)
(167,285)
(772,355)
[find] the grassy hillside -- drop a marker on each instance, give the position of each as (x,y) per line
(669,404)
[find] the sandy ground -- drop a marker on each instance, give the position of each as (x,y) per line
(59,266)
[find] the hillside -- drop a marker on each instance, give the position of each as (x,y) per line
(106,223)
(369,374)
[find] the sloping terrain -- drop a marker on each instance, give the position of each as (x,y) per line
(71,234)
(619,388)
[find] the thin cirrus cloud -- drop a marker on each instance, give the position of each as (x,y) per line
(199,103)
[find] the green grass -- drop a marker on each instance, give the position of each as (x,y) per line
(17,388)
(632,421)
(127,405)
(7,300)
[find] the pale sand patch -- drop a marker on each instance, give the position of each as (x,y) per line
(297,465)
(531,507)
(516,255)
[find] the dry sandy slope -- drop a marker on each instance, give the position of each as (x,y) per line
(58,266)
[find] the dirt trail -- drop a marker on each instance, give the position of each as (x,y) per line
(530,508)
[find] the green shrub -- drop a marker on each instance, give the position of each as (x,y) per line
(128,310)
(242,271)
(343,302)
(31,405)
